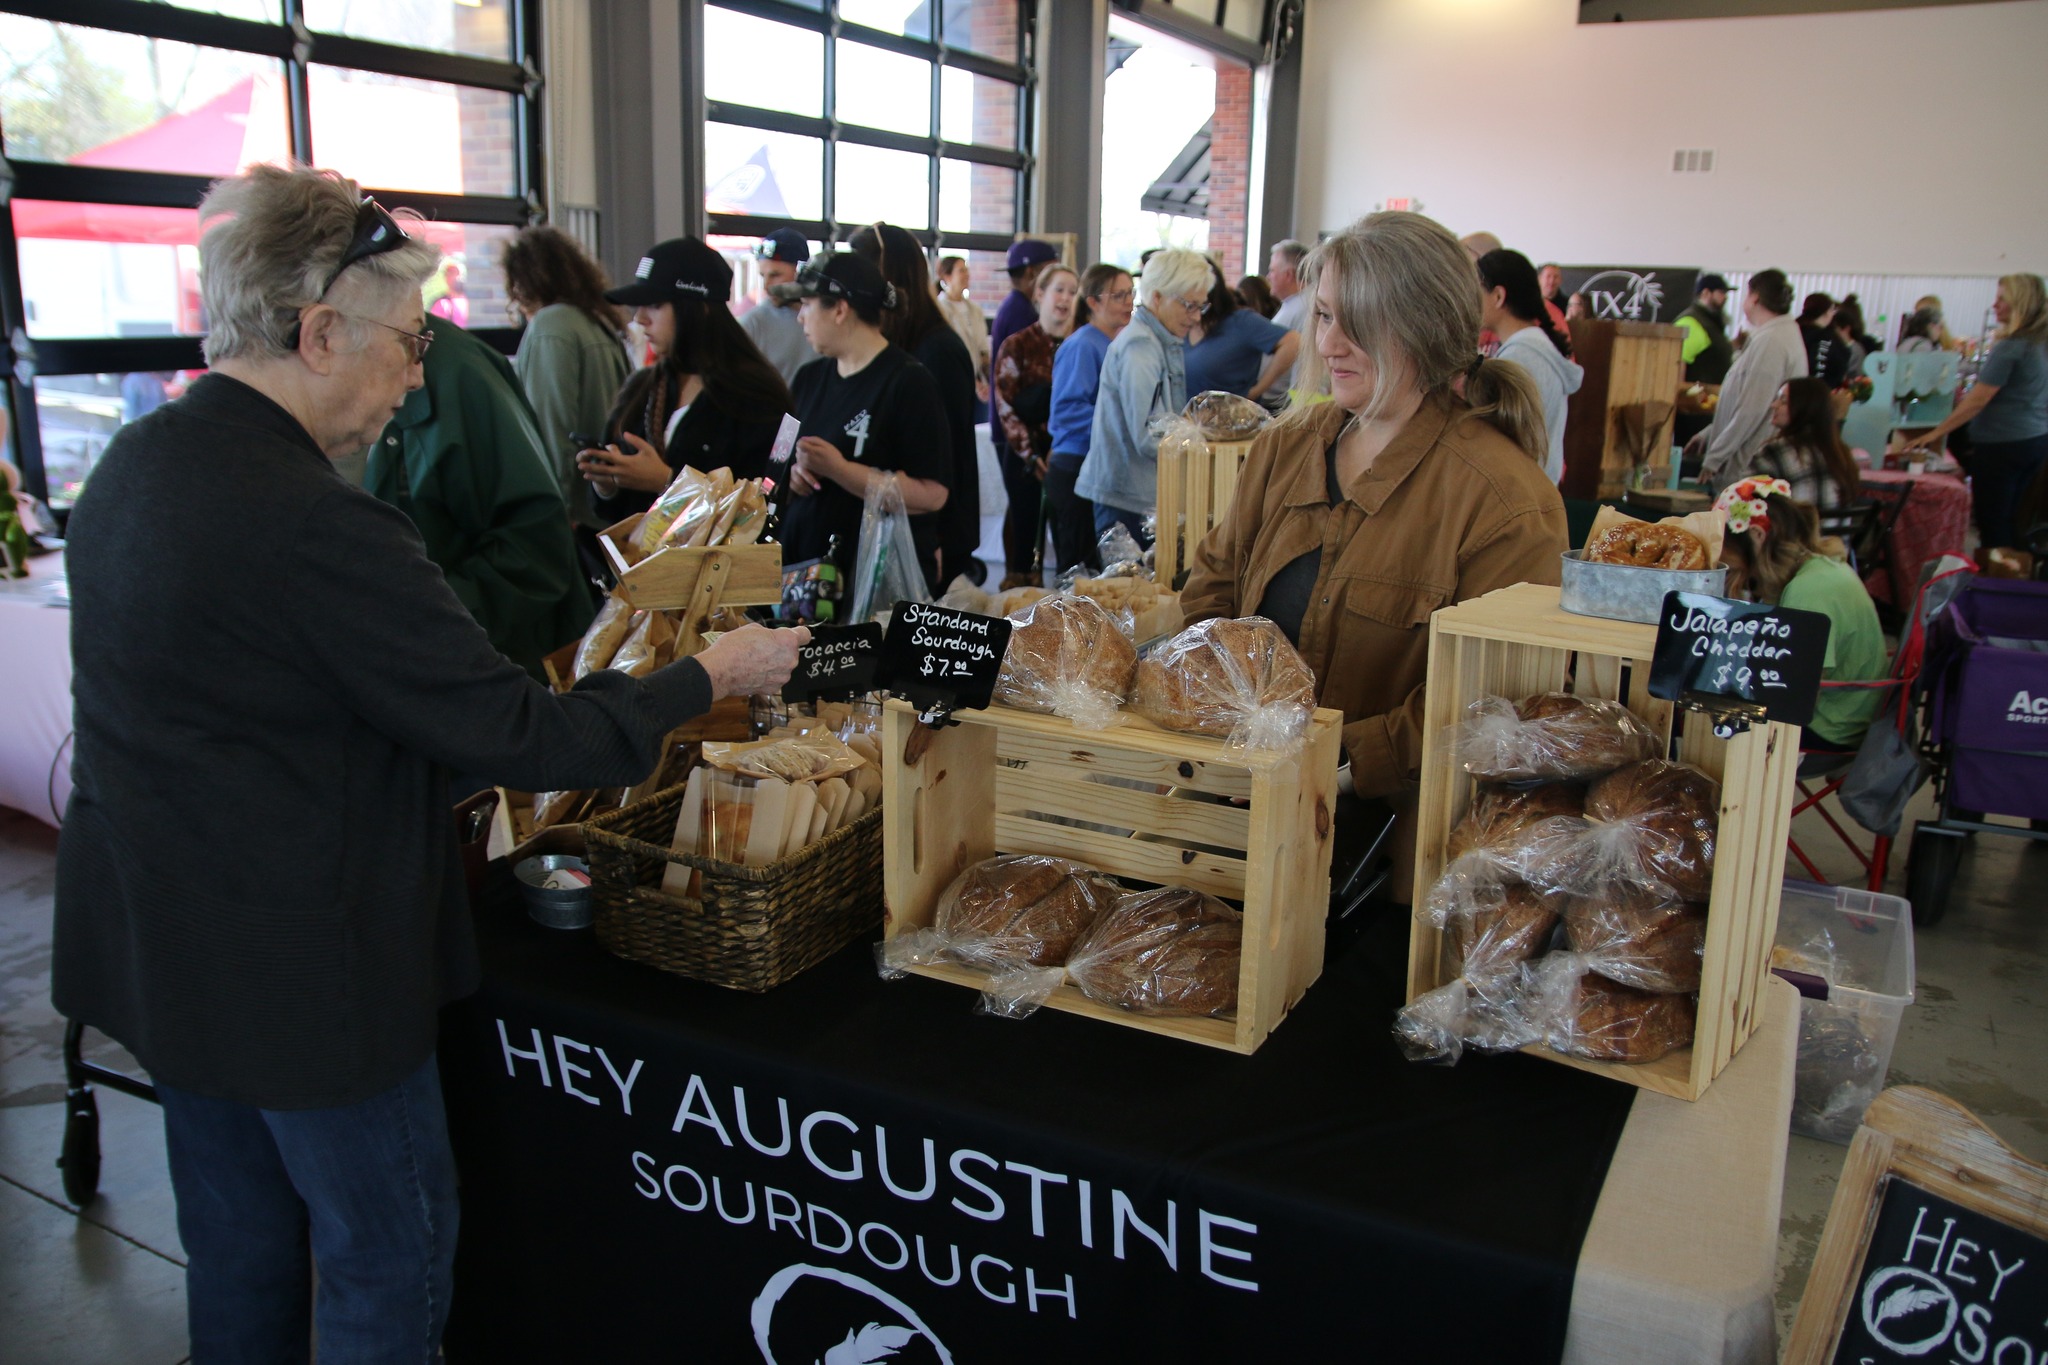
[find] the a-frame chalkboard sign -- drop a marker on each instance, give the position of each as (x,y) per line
(1936,1246)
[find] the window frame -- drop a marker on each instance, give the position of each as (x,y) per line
(298,48)
(830,132)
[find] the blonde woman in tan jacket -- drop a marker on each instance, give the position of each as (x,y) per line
(1420,485)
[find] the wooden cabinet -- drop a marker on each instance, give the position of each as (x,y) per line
(1621,415)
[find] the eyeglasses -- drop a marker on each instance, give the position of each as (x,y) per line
(1119,295)
(1197,306)
(415,342)
(376,232)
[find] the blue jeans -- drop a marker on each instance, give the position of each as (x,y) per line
(1107,516)
(365,1192)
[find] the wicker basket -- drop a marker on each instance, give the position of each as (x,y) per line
(756,927)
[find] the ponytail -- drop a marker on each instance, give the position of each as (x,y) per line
(1502,395)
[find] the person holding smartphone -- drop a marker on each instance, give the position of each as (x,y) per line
(709,400)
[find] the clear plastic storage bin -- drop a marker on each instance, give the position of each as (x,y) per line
(1851,955)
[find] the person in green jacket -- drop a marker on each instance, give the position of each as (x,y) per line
(463,458)
(570,361)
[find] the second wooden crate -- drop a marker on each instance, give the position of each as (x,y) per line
(1197,479)
(1152,805)
(1516,642)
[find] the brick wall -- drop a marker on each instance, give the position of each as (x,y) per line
(992,29)
(1230,169)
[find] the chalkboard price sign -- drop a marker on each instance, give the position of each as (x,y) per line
(838,662)
(1944,1283)
(942,659)
(1769,658)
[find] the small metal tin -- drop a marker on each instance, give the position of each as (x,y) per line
(553,909)
(1624,592)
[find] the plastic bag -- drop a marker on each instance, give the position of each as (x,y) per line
(1496,924)
(1508,821)
(1240,681)
(650,644)
(886,569)
(1223,416)
(1651,824)
(1021,910)
(1120,553)
(1069,657)
(1640,938)
(1583,1014)
(810,757)
(1548,737)
(601,642)
(1486,1014)
(1170,951)
(691,493)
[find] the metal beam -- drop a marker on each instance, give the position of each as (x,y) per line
(1073,45)
(1277,125)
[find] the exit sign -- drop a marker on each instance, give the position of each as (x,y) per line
(1403,205)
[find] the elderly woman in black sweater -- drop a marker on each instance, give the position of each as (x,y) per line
(258,886)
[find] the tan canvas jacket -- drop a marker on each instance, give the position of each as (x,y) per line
(1450,510)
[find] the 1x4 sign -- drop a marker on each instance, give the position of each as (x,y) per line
(1744,651)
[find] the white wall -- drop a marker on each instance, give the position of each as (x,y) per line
(1510,116)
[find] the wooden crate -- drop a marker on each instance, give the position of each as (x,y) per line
(1196,483)
(969,791)
(1639,365)
(695,582)
(1517,641)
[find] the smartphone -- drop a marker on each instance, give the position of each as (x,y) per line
(584,442)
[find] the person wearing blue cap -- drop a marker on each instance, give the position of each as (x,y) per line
(1016,312)
(772,322)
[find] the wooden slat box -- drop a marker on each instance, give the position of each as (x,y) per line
(1196,483)
(980,787)
(696,580)
(1516,642)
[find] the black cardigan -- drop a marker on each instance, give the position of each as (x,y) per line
(258,885)
(708,437)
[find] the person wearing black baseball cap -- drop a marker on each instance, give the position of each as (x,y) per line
(1708,352)
(710,398)
(772,322)
(868,409)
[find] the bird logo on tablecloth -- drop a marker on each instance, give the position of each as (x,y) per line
(836,1318)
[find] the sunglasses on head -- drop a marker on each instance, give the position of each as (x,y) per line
(376,232)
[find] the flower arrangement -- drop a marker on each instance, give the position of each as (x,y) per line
(1859,389)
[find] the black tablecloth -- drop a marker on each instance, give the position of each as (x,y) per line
(1051,1189)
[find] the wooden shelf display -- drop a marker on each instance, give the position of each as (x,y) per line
(696,582)
(1622,414)
(1136,801)
(1516,642)
(1196,482)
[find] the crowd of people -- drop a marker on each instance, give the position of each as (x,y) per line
(284,998)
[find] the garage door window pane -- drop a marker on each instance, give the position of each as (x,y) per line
(976,198)
(77,414)
(763,64)
(977,109)
(912,18)
(474,28)
(456,140)
(92,98)
(769,175)
(108,270)
(876,185)
(878,89)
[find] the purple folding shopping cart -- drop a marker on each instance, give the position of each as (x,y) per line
(1986,681)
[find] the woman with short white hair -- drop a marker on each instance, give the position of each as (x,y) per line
(1144,378)
(259,890)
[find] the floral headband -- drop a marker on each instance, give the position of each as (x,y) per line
(1746,503)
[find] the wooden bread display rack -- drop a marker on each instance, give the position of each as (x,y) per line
(693,581)
(1516,642)
(1197,480)
(1135,801)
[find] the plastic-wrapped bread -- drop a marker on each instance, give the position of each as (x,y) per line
(1586,1015)
(1638,937)
(1500,818)
(1169,951)
(607,632)
(1552,736)
(1499,930)
(1067,656)
(1021,909)
(1224,416)
(1651,824)
(1238,680)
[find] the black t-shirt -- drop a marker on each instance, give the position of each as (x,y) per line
(952,369)
(886,416)
(1287,594)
